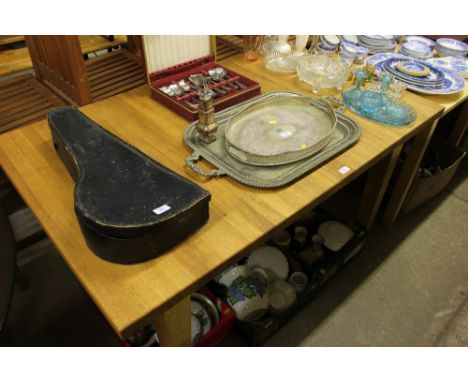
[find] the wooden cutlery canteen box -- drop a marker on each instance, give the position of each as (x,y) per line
(171,60)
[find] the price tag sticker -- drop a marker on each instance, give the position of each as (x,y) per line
(161,209)
(343,170)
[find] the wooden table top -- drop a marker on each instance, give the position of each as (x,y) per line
(240,217)
(449,101)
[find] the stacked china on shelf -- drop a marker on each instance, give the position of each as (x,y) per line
(276,280)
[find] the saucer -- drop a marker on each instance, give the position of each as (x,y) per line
(286,289)
(270,258)
(336,234)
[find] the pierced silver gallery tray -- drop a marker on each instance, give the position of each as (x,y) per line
(345,134)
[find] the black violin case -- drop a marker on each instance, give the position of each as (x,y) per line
(130,207)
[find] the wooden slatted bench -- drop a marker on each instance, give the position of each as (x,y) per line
(24,100)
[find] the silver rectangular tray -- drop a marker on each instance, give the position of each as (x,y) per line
(346,133)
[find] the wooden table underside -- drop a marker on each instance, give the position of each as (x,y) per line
(240,217)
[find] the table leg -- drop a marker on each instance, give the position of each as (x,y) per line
(173,325)
(376,185)
(410,167)
(460,126)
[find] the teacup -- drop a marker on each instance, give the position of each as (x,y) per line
(299,281)
(246,294)
(282,239)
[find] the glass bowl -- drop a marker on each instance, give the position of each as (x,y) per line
(279,57)
(322,72)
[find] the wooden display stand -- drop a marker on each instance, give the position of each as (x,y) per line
(58,63)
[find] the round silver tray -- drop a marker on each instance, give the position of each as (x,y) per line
(284,129)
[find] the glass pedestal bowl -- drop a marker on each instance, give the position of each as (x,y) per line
(322,72)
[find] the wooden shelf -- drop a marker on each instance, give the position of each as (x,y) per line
(227,46)
(18,60)
(7,40)
(113,73)
(24,100)
(93,43)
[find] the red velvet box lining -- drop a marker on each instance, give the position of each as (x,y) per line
(176,73)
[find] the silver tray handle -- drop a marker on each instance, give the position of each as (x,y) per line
(195,157)
(334,102)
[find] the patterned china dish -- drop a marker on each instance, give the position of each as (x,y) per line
(421,40)
(451,47)
(416,50)
(248,296)
(458,65)
(360,51)
(204,315)
(439,81)
(413,69)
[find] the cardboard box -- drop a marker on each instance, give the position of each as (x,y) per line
(423,189)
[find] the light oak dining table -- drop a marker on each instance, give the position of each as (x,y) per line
(158,291)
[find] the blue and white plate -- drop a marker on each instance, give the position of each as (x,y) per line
(414,54)
(416,49)
(458,65)
(376,58)
(434,78)
(421,40)
(410,79)
(414,69)
(453,83)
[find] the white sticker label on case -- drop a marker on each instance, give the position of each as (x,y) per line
(344,170)
(160,210)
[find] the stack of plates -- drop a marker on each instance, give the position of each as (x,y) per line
(451,47)
(416,49)
(352,39)
(419,75)
(421,40)
(377,43)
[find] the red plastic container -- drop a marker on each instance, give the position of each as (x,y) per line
(225,325)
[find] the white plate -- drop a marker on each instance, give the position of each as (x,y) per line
(336,234)
(270,258)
